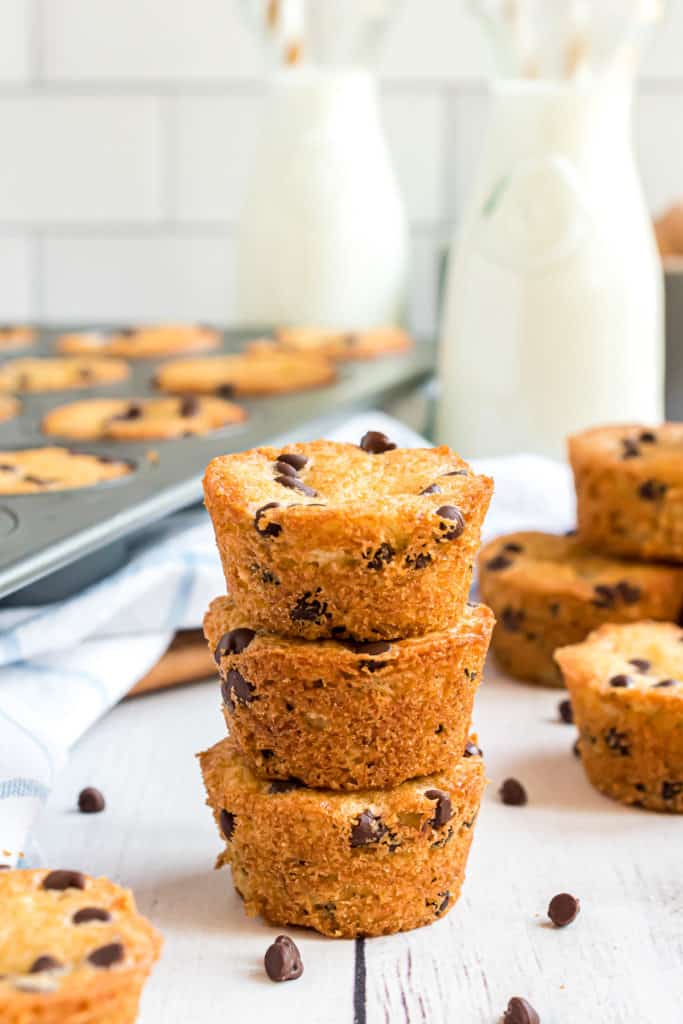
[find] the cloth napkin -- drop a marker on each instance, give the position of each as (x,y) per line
(64,665)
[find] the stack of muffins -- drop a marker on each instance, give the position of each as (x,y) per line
(601,610)
(347,790)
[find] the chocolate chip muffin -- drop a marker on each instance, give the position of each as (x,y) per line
(629,490)
(141,419)
(248,373)
(144,342)
(60,374)
(35,470)
(342,346)
(549,591)
(347,714)
(73,949)
(367,863)
(336,540)
(626,686)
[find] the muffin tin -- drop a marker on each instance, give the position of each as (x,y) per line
(86,528)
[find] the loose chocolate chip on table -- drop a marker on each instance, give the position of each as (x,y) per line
(296,485)
(227,823)
(498,563)
(87,914)
(664,684)
(443,811)
(285,785)
(642,664)
(513,793)
(91,801)
(297,462)
(44,963)
(270,529)
(562,909)
(233,642)
(472,750)
(284,469)
(375,442)
(369,829)
(432,489)
(453,515)
(519,1011)
(106,956)
(64,880)
(283,960)
(652,490)
(189,406)
(565,712)
(621,681)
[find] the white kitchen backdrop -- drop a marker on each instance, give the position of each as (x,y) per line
(126,128)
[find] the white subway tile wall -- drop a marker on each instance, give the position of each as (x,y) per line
(128,130)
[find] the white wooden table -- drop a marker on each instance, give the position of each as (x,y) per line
(620,962)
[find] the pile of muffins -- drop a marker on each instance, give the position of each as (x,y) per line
(600,610)
(348,787)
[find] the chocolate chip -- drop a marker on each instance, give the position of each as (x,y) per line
(226,391)
(420,561)
(271,529)
(498,563)
(511,619)
(131,412)
(239,687)
(91,801)
(472,750)
(189,406)
(106,956)
(233,642)
(565,711)
(621,681)
(87,914)
(44,963)
(454,515)
(605,596)
(641,664)
(375,442)
(286,785)
(670,790)
(457,472)
(513,547)
(617,742)
(381,556)
(562,909)
(309,609)
(647,437)
(283,960)
(64,880)
(443,906)
(227,822)
(519,1011)
(664,684)
(284,469)
(630,448)
(366,646)
(443,811)
(432,489)
(297,462)
(296,485)
(627,592)
(368,830)
(513,793)
(39,481)
(652,490)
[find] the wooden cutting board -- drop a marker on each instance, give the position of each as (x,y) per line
(186,661)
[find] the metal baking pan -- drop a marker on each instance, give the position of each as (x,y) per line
(86,529)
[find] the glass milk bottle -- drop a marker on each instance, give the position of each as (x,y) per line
(322,239)
(553,316)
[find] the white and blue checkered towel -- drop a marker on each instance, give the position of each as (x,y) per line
(64,665)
